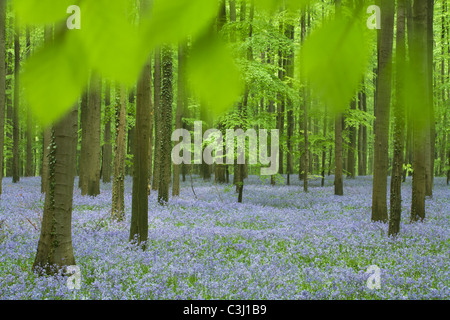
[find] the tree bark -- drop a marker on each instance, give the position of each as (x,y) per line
(165,125)
(15,162)
(83,160)
(118,188)
(179,114)
(29,172)
(131,135)
(91,186)
(157,116)
(289,33)
(2,83)
(338,161)
(55,249)
(399,125)
(382,112)
(351,160)
(107,145)
(144,106)
(419,61)
(430,142)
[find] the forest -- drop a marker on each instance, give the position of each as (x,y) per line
(225,150)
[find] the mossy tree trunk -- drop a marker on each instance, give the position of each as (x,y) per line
(15,151)
(165,128)
(157,117)
(55,249)
(2,83)
(107,145)
(118,188)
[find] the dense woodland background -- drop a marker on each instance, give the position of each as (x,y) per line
(396,125)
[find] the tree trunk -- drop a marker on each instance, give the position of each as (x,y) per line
(91,186)
(131,143)
(15,162)
(55,249)
(289,33)
(324,150)
(165,147)
(9,102)
(419,61)
(118,188)
(83,162)
(157,116)
(382,112)
(179,114)
(338,172)
(107,146)
(430,142)
(399,125)
(29,172)
(2,83)
(351,160)
(362,137)
(144,106)
(48,38)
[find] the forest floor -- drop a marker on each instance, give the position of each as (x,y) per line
(281,243)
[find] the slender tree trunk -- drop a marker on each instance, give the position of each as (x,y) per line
(430,142)
(144,106)
(91,186)
(118,187)
(9,100)
(443,78)
(157,116)
(338,172)
(165,146)
(399,126)
(83,165)
(55,249)
(419,61)
(29,151)
(131,139)
(362,138)
(382,112)
(15,162)
(324,150)
(179,114)
(2,83)
(351,160)
(107,146)
(289,33)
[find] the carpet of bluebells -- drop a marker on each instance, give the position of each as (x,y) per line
(281,243)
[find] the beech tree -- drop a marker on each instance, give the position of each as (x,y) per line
(91,184)
(107,145)
(144,106)
(399,126)
(382,111)
(55,249)
(2,83)
(15,162)
(118,188)
(165,126)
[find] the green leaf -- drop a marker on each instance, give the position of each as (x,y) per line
(213,74)
(111,40)
(334,59)
(42,11)
(175,20)
(54,78)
